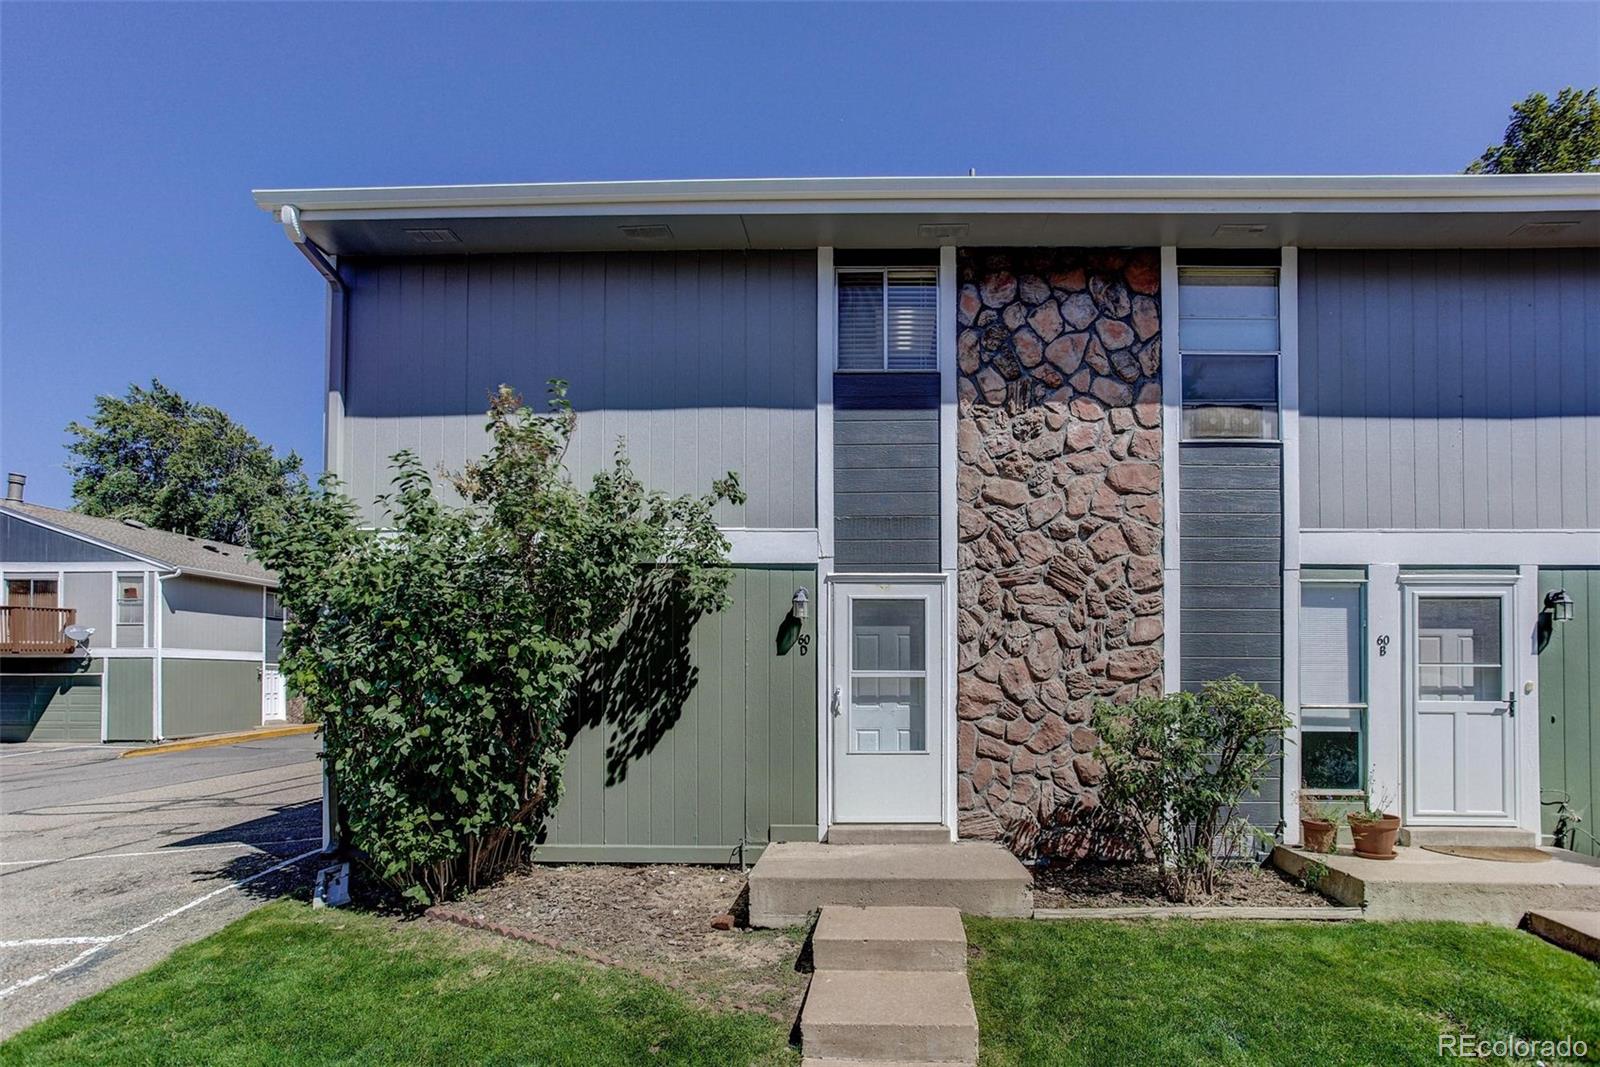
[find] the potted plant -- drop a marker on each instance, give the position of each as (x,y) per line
(1318,830)
(1373,829)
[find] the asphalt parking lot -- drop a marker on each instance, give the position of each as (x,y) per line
(107,865)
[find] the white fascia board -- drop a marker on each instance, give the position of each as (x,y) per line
(1137,194)
(218,576)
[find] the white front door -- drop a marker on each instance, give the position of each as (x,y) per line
(1460,692)
(272,708)
(888,702)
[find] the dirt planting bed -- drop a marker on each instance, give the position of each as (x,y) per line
(656,920)
(1106,885)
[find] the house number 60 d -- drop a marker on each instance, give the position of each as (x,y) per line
(1383,644)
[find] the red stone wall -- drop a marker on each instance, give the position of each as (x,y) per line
(1059,480)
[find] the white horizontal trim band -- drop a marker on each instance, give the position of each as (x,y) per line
(1545,548)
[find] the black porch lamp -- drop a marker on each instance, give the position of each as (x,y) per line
(1559,605)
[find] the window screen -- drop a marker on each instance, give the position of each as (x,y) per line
(888,320)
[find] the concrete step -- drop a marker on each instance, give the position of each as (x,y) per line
(1575,931)
(894,1016)
(1504,837)
(864,833)
(813,1061)
(889,939)
(794,879)
(1418,884)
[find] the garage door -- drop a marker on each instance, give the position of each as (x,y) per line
(49,707)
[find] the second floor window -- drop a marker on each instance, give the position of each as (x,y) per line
(888,319)
(32,592)
(1228,333)
(130,599)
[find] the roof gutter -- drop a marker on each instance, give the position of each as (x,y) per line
(337,339)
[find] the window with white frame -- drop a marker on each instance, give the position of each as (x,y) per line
(1333,692)
(1228,336)
(130,600)
(888,319)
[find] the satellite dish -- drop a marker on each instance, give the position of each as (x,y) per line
(80,634)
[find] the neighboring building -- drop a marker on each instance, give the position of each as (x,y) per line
(185,631)
(1025,443)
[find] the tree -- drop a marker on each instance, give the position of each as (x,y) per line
(1542,139)
(442,655)
(177,465)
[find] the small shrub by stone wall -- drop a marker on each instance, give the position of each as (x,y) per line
(1059,485)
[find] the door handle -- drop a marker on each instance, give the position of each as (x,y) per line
(1511,703)
(835,702)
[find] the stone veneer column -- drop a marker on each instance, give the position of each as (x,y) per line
(1059,486)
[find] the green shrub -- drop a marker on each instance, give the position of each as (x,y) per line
(441,654)
(1177,768)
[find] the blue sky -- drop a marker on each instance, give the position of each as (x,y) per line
(131,135)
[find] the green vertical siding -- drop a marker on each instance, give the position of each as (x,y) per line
(702,737)
(205,696)
(50,700)
(130,699)
(1569,706)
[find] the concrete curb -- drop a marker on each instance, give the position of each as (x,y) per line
(266,733)
(1201,911)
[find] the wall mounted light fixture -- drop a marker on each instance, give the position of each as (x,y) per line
(1559,605)
(797,607)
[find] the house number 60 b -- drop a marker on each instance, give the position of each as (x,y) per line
(1383,644)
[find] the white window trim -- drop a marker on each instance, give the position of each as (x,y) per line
(1291,685)
(1171,424)
(939,326)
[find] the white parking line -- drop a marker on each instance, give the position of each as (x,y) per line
(196,902)
(31,941)
(175,850)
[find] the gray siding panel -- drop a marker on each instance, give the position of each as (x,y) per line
(702,362)
(26,542)
(886,472)
(1231,559)
(89,594)
(1450,389)
(199,613)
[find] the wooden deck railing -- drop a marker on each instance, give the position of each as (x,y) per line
(36,631)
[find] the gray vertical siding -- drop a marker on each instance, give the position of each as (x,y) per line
(725,755)
(200,613)
(1231,559)
(1450,390)
(89,594)
(886,472)
(26,542)
(703,362)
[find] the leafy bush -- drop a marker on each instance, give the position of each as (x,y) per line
(441,655)
(1177,768)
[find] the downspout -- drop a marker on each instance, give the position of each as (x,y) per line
(332,431)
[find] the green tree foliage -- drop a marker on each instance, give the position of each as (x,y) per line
(1177,768)
(442,655)
(1546,139)
(176,465)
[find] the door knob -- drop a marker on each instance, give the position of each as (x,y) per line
(836,701)
(1511,703)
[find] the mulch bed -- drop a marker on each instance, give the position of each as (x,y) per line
(654,920)
(1101,885)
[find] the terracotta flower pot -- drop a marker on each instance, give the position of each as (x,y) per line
(1375,838)
(1318,835)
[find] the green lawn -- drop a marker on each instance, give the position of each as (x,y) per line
(289,985)
(1177,992)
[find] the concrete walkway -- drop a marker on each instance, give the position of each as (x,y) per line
(890,987)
